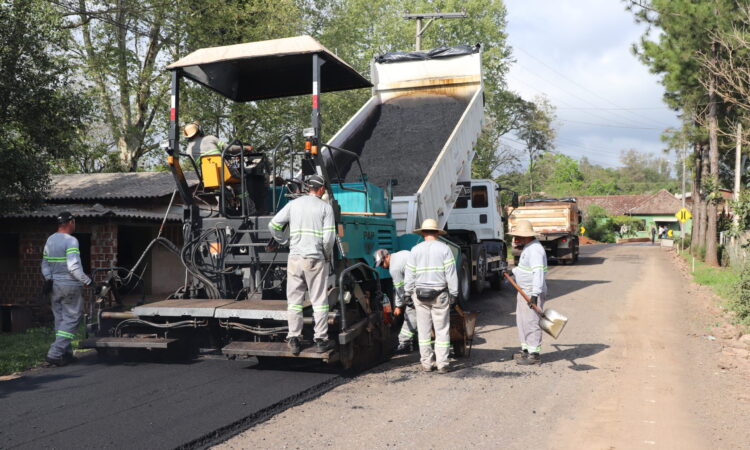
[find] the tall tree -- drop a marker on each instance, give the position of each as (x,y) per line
(538,133)
(41,113)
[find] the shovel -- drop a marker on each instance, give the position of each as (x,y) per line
(551,321)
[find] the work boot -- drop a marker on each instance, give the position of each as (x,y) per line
(405,347)
(323,345)
(294,347)
(69,358)
(520,355)
(444,369)
(428,369)
(531,360)
(59,362)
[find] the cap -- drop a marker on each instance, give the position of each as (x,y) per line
(64,217)
(315,181)
(379,256)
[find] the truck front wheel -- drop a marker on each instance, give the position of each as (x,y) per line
(464,282)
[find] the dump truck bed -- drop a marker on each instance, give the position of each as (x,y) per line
(548,218)
(419,127)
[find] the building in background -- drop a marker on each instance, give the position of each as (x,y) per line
(118,214)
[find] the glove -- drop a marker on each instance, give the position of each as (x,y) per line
(272,246)
(47,287)
(533,302)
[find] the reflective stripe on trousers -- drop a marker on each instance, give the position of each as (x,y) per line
(434,314)
(67,307)
(527,321)
(307,275)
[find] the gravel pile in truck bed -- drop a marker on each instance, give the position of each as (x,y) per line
(401,140)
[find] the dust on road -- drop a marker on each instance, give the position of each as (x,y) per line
(631,370)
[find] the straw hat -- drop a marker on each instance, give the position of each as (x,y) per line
(190,130)
(523,228)
(429,225)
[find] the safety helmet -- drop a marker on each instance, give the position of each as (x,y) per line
(191,130)
(64,217)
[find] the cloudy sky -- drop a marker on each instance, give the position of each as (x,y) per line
(577,53)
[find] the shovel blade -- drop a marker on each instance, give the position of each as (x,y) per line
(553,322)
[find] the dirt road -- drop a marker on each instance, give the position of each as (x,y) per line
(633,369)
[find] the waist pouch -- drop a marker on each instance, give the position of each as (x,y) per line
(428,293)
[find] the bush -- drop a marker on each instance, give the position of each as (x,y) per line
(740,304)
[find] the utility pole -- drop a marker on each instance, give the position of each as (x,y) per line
(737,169)
(682,224)
(432,16)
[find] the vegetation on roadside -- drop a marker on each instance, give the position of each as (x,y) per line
(26,349)
(732,285)
(602,227)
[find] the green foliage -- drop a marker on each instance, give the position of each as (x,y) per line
(598,224)
(741,303)
(41,113)
(632,224)
(24,350)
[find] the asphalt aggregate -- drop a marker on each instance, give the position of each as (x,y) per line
(134,405)
(400,139)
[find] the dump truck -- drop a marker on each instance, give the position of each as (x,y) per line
(234,299)
(416,137)
(556,222)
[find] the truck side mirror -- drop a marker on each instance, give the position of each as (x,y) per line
(514,200)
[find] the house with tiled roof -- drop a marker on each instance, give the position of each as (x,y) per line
(654,209)
(117,216)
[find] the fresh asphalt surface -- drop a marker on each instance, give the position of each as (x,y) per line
(93,404)
(100,405)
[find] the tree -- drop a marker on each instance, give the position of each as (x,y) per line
(686,30)
(123,47)
(538,134)
(42,113)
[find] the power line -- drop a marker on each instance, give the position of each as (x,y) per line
(575,82)
(609,125)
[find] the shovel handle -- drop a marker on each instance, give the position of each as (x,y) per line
(523,294)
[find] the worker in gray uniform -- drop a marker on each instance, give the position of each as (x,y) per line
(312,234)
(200,144)
(530,274)
(431,281)
(64,280)
(396,264)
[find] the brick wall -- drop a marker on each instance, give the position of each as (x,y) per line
(22,287)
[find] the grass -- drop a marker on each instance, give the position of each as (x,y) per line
(26,349)
(725,282)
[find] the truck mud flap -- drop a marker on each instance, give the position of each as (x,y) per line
(275,349)
(124,342)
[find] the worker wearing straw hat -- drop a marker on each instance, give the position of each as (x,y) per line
(530,274)
(430,279)
(200,144)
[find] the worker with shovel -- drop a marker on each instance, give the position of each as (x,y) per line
(396,265)
(530,274)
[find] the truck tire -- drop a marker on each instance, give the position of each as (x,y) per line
(496,281)
(575,251)
(477,286)
(464,282)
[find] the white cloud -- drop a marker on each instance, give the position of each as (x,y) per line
(578,53)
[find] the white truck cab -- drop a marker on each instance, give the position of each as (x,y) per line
(477,209)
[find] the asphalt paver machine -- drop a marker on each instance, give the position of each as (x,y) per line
(234,301)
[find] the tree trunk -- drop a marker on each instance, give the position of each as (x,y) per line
(713,156)
(701,199)
(695,238)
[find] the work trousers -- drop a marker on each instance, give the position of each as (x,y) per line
(527,322)
(435,314)
(311,275)
(67,307)
(409,328)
